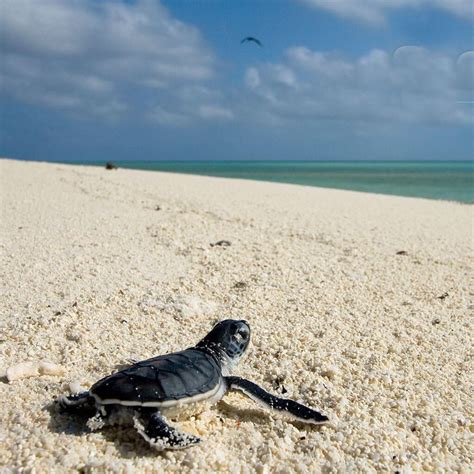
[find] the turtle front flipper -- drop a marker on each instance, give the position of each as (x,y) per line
(295,409)
(82,403)
(162,436)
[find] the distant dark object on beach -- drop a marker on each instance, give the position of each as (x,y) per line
(240,284)
(443,296)
(402,252)
(222,243)
(110,166)
(251,39)
(158,208)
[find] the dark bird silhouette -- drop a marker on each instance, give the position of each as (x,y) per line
(251,38)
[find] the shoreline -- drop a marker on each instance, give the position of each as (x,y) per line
(164,167)
(359,306)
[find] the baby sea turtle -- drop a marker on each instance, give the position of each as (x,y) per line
(179,383)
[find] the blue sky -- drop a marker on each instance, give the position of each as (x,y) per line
(336,79)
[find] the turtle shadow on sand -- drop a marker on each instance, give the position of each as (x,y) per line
(258,416)
(58,423)
(254,415)
(125,438)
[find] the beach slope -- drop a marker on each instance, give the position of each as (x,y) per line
(360,306)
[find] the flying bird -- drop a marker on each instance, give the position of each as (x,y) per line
(251,38)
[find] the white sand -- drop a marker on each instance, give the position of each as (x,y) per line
(93,275)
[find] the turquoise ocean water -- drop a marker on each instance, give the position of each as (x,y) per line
(452,181)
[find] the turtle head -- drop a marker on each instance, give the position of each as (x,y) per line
(228,340)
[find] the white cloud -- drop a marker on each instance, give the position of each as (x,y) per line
(187,114)
(165,117)
(283,75)
(100,58)
(252,77)
(318,62)
(191,103)
(462,8)
(412,85)
(214,112)
(465,72)
(374,12)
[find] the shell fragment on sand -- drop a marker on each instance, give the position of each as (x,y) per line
(76,387)
(33,369)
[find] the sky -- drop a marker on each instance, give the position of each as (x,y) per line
(118,80)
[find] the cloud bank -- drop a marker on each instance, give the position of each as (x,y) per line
(374,12)
(411,85)
(103,58)
(135,60)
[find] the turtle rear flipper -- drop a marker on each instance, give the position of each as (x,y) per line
(82,403)
(295,409)
(162,436)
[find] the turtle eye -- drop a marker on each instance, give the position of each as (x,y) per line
(241,335)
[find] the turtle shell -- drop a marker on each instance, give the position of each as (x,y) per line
(162,380)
